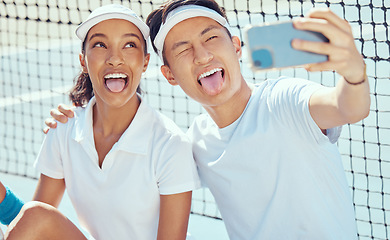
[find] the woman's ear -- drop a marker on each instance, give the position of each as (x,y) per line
(83,63)
(166,71)
(146,62)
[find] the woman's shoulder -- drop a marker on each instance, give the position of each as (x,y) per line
(79,114)
(165,123)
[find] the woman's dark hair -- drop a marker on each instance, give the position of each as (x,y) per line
(82,91)
(158,16)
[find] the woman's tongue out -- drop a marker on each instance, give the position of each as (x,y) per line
(116,85)
(212,84)
(116,82)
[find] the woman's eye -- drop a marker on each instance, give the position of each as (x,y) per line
(99,45)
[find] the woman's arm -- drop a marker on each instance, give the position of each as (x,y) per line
(174,213)
(3,192)
(49,190)
(10,205)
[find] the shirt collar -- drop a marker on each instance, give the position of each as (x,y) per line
(136,138)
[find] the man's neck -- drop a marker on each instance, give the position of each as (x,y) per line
(228,112)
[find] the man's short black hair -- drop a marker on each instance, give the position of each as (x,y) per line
(158,16)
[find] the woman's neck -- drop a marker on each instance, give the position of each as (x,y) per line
(110,123)
(108,120)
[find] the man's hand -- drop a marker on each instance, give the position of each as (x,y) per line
(344,58)
(349,101)
(61,114)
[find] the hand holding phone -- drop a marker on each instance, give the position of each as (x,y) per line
(269,46)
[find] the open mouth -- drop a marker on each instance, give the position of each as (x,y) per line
(116,82)
(212,81)
(209,73)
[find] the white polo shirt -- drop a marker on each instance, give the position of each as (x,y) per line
(273,174)
(121,200)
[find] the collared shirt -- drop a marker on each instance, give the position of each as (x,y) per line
(121,199)
(273,173)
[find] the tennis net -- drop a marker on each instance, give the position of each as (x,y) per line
(39,59)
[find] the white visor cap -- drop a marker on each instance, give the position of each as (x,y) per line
(112,11)
(180,14)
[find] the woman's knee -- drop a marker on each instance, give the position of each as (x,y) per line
(39,220)
(37,214)
(32,220)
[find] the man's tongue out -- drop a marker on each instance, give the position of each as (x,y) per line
(212,84)
(115,84)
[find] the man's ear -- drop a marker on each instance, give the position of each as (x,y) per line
(237,45)
(83,63)
(166,71)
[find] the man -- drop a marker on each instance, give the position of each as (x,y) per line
(266,152)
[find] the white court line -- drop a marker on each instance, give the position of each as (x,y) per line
(33,96)
(43,45)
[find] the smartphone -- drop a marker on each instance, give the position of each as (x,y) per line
(269,46)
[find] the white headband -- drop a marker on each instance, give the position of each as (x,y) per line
(112,11)
(180,14)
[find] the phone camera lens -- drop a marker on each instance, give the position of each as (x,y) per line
(262,58)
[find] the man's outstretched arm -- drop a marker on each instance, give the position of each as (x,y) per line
(349,101)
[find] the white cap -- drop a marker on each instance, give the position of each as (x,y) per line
(112,11)
(180,14)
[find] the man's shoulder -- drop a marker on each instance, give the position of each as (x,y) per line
(283,87)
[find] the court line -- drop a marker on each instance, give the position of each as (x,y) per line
(34,96)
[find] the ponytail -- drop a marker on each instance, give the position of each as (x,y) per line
(82,90)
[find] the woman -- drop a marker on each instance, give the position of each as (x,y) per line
(128,170)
